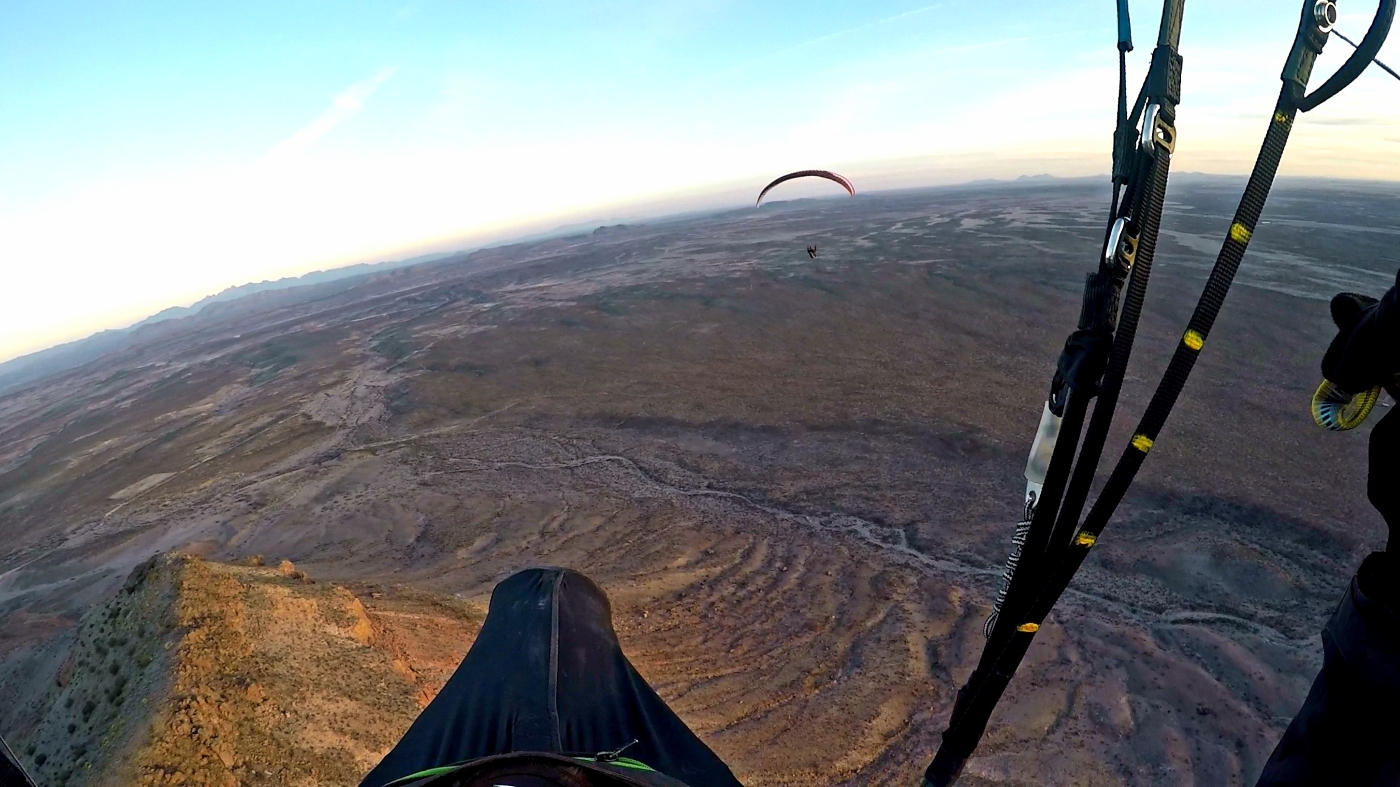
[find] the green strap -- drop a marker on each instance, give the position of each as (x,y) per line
(438,771)
(621,762)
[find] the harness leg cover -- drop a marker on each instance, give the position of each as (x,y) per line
(547,674)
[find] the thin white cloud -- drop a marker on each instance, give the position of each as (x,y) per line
(864,26)
(343,107)
(410,8)
(734,69)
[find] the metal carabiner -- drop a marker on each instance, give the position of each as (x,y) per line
(1156,130)
(1122,244)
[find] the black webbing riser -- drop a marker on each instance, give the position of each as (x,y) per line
(1009,643)
(1143,209)
(1054,538)
(995,677)
(1040,551)
(977,699)
(1021,592)
(965,731)
(1207,309)
(1048,538)
(1169,32)
(1202,320)
(1096,436)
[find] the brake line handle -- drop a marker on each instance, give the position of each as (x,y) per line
(1338,411)
(1319,17)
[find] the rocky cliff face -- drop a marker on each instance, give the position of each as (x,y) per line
(202,673)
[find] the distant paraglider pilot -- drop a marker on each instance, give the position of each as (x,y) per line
(812,252)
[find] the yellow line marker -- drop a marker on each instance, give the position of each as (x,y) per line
(1029,628)
(1086,539)
(1142,443)
(1239,233)
(1193,340)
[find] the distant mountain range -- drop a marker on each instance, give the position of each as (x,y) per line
(314,277)
(36,365)
(39,364)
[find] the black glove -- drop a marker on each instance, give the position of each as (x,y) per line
(1383,477)
(1366,353)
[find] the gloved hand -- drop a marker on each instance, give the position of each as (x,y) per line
(1383,477)
(1366,353)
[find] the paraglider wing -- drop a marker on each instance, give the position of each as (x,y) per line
(807,173)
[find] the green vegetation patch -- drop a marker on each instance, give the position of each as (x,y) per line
(392,344)
(270,359)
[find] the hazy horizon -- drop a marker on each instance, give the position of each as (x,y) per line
(678,210)
(718,201)
(162,154)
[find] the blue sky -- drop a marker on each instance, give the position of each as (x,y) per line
(154,153)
